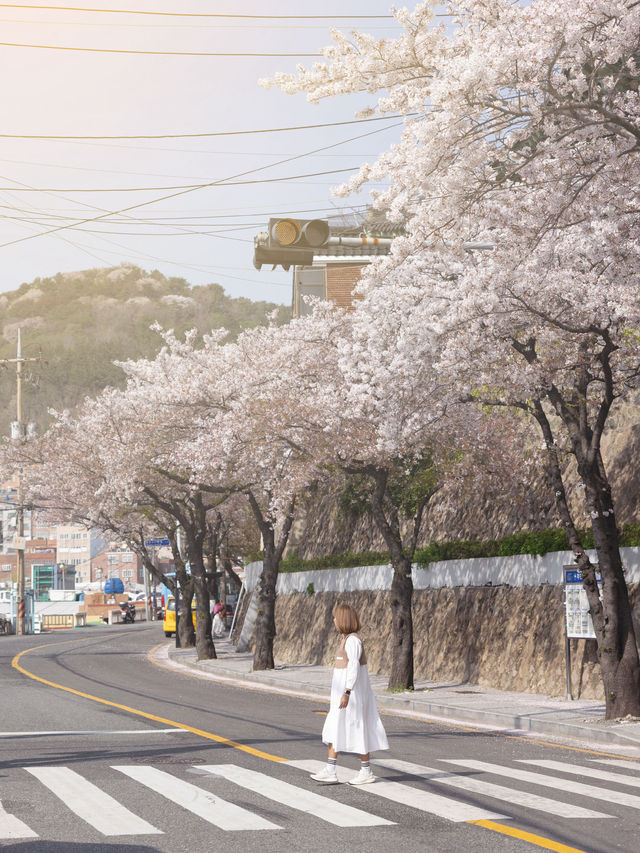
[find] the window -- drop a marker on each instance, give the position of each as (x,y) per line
(127,558)
(127,573)
(6,567)
(112,559)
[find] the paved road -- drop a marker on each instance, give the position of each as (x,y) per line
(170,762)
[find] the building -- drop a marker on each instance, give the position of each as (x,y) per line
(78,546)
(38,552)
(118,561)
(336,268)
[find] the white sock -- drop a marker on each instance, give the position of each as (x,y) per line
(332,764)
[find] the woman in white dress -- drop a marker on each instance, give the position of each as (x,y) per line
(352,724)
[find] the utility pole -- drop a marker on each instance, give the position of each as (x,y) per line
(19,432)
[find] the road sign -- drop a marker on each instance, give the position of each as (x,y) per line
(577,606)
(157,543)
(19,543)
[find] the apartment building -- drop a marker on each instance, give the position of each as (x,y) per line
(118,561)
(78,546)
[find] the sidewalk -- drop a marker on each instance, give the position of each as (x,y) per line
(580,720)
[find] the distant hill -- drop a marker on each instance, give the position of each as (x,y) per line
(84,321)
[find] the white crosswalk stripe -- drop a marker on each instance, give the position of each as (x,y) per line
(576,770)
(11,827)
(91,804)
(331,811)
(629,766)
(487,789)
(609,795)
(208,806)
(425,801)
(110,818)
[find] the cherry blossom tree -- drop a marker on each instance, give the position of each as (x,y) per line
(241,401)
(517,178)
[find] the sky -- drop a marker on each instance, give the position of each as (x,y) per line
(206,234)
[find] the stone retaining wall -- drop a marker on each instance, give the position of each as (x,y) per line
(510,638)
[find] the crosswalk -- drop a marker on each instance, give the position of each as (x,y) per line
(455,795)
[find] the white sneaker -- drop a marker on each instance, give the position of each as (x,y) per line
(325,775)
(363,778)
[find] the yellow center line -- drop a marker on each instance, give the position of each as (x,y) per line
(15,663)
(538,840)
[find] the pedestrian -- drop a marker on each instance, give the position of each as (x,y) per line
(352,724)
(218,626)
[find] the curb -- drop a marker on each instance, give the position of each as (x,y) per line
(427,711)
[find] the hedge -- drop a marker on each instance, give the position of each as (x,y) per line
(538,542)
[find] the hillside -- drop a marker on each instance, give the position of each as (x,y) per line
(83,321)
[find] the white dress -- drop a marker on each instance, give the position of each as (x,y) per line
(356,728)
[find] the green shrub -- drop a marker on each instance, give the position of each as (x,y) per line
(294,563)
(536,542)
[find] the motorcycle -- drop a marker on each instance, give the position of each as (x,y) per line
(128,611)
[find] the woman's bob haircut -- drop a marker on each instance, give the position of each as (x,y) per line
(347,621)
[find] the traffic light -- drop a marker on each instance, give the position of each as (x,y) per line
(290,241)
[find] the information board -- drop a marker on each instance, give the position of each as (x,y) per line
(578,620)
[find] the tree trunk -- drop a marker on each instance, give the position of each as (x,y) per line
(611,611)
(266,590)
(401,676)
(185,622)
(388,524)
(266,618)
(196,533)
(205,649)
(612,620)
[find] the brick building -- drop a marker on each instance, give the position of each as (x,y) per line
(337,267)
(116,561)
(40,552)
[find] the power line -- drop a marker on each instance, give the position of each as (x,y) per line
(149,52)
(198,14)
(176,187)
(216,133)
(223,182)
(176,194)
(268,25)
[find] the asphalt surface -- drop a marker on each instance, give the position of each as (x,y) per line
(62,752)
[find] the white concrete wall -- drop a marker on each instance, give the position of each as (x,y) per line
(519,570)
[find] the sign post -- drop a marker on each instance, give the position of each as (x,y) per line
(577,621)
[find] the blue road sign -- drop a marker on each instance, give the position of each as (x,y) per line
(156,543)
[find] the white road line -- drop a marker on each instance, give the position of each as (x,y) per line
(208,806)
(12,827)
(602,794)
(633,766)
(296,798)
(575,770)
(97,732)
(91,804)
(509,795)
(413,797)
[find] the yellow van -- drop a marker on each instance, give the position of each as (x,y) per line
(169,621)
